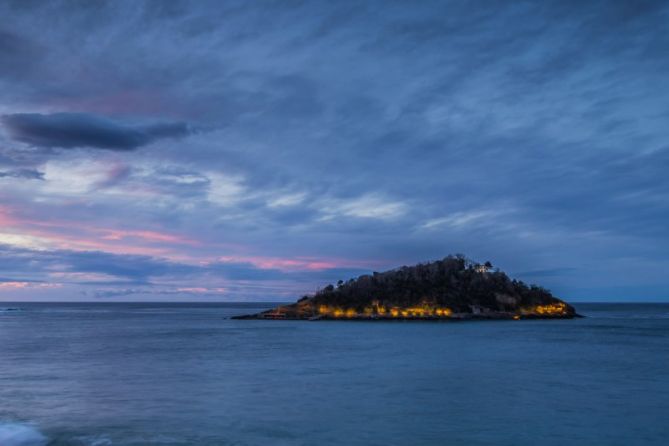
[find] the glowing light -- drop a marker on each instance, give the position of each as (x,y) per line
(377,310)
(555,309)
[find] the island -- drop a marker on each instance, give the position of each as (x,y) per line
(451,289)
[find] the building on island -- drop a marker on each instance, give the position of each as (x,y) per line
(483,268)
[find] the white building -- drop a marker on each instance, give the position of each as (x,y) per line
(481,268)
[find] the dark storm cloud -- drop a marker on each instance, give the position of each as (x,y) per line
(70,130)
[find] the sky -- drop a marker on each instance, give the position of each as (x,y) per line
(256,151)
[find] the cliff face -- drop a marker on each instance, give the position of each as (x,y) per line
(452,288)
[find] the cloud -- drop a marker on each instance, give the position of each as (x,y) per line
(131,267)
(533,135)
(28,174)
(458,219)
(225,190)
(71,130)
(179,291)
(98,268)
(286,200)
(370,206)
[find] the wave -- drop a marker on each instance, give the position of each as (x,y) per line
(16,434)
(7,310)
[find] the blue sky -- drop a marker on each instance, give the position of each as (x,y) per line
(259,150)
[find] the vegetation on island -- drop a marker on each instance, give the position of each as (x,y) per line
(452,288)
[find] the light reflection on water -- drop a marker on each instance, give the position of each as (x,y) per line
(169,374)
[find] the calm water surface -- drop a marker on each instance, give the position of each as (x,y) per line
(183,374)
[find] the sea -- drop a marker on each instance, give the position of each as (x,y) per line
(102,374)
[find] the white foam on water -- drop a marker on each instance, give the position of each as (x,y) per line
(16,434)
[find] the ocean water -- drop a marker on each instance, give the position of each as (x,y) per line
(184,374)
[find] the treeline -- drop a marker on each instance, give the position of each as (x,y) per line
(454,282)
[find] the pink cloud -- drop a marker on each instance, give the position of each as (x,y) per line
(79,236)
(296,264)
(14,285)
(151,236)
